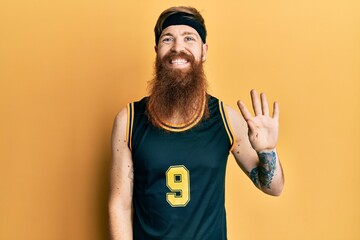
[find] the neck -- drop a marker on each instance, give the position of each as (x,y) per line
(177,118)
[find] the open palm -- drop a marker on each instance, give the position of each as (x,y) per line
(263,128)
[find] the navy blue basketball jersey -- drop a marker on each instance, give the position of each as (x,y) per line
(179,175)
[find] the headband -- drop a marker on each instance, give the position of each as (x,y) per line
(182,18)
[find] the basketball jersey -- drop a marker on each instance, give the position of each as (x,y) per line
(179,175)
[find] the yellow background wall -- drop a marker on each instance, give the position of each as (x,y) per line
(67,67)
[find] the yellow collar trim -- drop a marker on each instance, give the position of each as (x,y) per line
(184,126)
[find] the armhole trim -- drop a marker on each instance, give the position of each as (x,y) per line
(227,125)
(129,124)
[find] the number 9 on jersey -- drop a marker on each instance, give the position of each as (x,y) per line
(178,181)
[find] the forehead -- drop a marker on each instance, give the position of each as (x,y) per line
(179,30)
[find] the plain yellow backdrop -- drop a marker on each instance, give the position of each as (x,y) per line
(67,67)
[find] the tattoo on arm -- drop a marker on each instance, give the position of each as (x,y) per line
(262,175)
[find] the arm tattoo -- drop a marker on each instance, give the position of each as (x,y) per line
(262,175)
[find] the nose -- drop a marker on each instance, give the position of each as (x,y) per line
(178,46)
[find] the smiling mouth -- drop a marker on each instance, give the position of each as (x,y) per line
(178,61)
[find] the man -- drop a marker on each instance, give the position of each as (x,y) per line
(170,149)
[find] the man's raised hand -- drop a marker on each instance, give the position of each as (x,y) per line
(263,128)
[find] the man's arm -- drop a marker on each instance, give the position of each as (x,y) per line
(121,178)
(255,146)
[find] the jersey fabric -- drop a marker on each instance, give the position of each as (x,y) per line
(179,176)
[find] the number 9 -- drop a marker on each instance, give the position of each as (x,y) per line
(178,181)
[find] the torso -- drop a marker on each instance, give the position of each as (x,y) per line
(179,176)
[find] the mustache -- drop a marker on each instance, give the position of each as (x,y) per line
(171,55)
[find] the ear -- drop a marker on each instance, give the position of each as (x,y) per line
(156,48)
(205,49)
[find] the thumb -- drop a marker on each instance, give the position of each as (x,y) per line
(252,126)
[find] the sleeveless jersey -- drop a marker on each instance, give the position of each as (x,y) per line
(179,176)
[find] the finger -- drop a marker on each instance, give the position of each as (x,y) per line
(255,103)
(276,112)
(264,104)
(244,111)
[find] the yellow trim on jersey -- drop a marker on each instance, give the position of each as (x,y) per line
(227,124)
(129,124)
(184,126)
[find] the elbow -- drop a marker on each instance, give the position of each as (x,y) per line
(275,188)
(113,207)
(274,191)
(116,204)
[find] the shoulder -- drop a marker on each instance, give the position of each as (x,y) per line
(121,119)
(126,112)
(234,121)
(237,122)
(124,120)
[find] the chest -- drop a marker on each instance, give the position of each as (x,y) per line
(156,150)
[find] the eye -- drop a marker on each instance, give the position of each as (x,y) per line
(189,39)
(167,39)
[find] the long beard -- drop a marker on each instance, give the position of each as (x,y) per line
(176,92)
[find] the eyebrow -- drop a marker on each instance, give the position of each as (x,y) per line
(190,33)
(182,34)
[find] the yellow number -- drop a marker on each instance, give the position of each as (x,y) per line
(178,181)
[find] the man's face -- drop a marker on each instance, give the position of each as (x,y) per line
(179,82)
(183,39)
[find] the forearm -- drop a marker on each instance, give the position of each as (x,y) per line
(120,223)
(268,175)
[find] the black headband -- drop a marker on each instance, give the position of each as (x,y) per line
(182,18)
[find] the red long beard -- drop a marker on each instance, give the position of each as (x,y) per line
(176,91)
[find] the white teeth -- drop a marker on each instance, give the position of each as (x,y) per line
(179,61)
